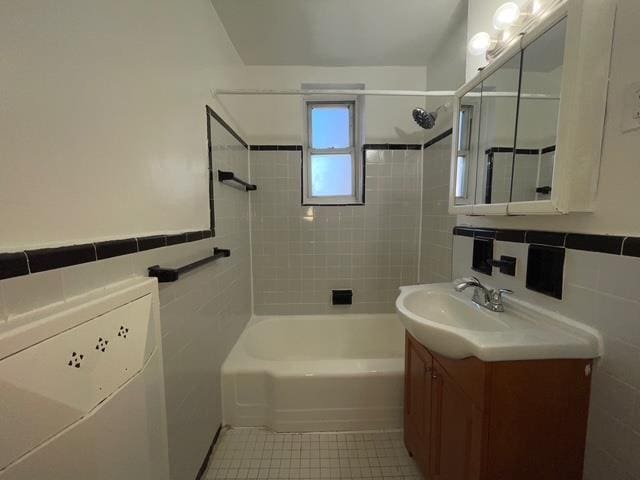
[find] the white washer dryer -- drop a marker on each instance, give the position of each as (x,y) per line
(82,389)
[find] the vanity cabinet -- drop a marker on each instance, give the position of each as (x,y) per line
(418,395)
(473,420)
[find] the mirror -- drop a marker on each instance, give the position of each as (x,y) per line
(467,147)
(542,63)
(539,151)
(499,107)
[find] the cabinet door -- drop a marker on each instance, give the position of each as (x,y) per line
(456,443)
(417,405)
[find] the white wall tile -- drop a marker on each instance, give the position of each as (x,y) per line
(437,224)
(3,311)
(619,276)
(301,253)
(24,294)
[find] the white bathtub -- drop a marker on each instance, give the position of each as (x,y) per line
(316,373)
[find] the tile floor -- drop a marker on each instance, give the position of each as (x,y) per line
(253,453)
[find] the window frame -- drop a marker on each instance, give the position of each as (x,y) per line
(357,163)
(465,125)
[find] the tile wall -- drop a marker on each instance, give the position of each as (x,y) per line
(601,290)
(301,253)
(437,224)
(202,315)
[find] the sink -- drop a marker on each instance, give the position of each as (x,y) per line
(440,306)
(450,324)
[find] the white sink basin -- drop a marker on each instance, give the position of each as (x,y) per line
(448,323)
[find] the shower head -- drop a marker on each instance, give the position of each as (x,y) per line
(426,120)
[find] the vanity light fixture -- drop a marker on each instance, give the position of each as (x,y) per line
(506,15)
(480,43)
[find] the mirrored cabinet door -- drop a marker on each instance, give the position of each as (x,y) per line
(497,133)
(466,161)
(542,63)
(531,126)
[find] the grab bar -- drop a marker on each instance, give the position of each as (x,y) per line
(224,176)
(166,274)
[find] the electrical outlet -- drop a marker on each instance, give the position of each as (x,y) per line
(631,110)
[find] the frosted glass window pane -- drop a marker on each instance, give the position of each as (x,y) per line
(330,127)
(461,177)
(331,175)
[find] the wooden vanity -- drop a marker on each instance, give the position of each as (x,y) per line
(513,420)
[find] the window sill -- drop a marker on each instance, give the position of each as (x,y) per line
(343,204)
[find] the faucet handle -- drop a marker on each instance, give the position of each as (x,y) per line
(496,295)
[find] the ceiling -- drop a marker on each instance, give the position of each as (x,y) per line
(339,32)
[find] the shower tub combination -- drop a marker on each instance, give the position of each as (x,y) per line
(316,373)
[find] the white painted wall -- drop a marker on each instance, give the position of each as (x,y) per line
(279,119)
(337,32)
(480,19)
(103,135)
(446,70)
(446,66)
(102,123)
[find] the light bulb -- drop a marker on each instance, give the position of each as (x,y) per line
(537,6)
(480,43)
(506,15)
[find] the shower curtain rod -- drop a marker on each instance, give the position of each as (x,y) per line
(388,93)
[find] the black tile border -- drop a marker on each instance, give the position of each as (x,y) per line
(519,151)
(210,112)
(484,233)
(437,138)
(611,244)
(595,243)
(176,238)
(13,265)
(51,258)
(463,231)
(205,462)
(115,248)
(149,243)
(16,264)
(553,239)
(549,149)
(631,247)
(366,146)
(195,236)
(226,126)
(276,148)
(212,213)
(516,236)
(391,146)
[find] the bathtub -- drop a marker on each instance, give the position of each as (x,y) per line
(316,373)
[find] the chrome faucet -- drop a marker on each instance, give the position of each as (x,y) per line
(488,298)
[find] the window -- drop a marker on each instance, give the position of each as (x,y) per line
(464,145)
(332,169)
